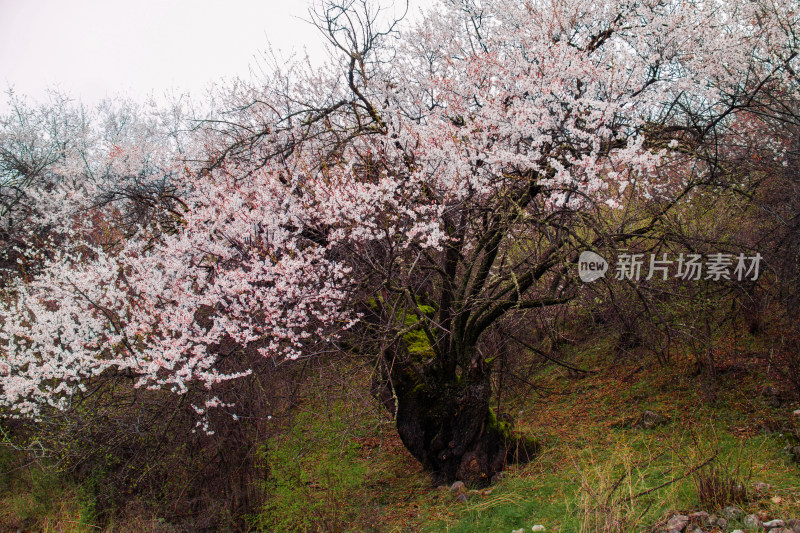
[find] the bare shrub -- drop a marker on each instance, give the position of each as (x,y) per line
(719,486)
(616,493)
(124,444)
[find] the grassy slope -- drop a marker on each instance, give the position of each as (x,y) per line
(595,466)
(596,472)
(344,469)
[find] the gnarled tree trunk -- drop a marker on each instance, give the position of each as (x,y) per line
(444,420)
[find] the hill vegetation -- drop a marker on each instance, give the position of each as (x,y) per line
(517,265)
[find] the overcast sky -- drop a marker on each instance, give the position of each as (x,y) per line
(91,49)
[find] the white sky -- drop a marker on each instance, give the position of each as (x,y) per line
(91,49)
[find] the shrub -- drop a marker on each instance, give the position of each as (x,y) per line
(311,472)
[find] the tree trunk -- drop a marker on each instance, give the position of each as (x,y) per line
(446,423)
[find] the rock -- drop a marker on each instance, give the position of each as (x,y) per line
(700,517)
(777,500)
(520,530)
(795,451)
(678,522)
(649,420)
(794,524)
(780,530)
(760,486)
(538,527)
(458,486)
(497,477)
(712,520)
(751,521)
(796,412)
(772,524)
(732,513)
(737,531)
(462,498)
(722,524)
(771,396)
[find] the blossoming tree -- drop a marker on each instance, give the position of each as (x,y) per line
(414,194)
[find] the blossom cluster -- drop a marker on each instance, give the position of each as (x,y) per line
(469,114)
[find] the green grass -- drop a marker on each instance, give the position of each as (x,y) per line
(34,497)
(340,466)
(310,472)
(596,472)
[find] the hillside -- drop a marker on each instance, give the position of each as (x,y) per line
(623,447)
